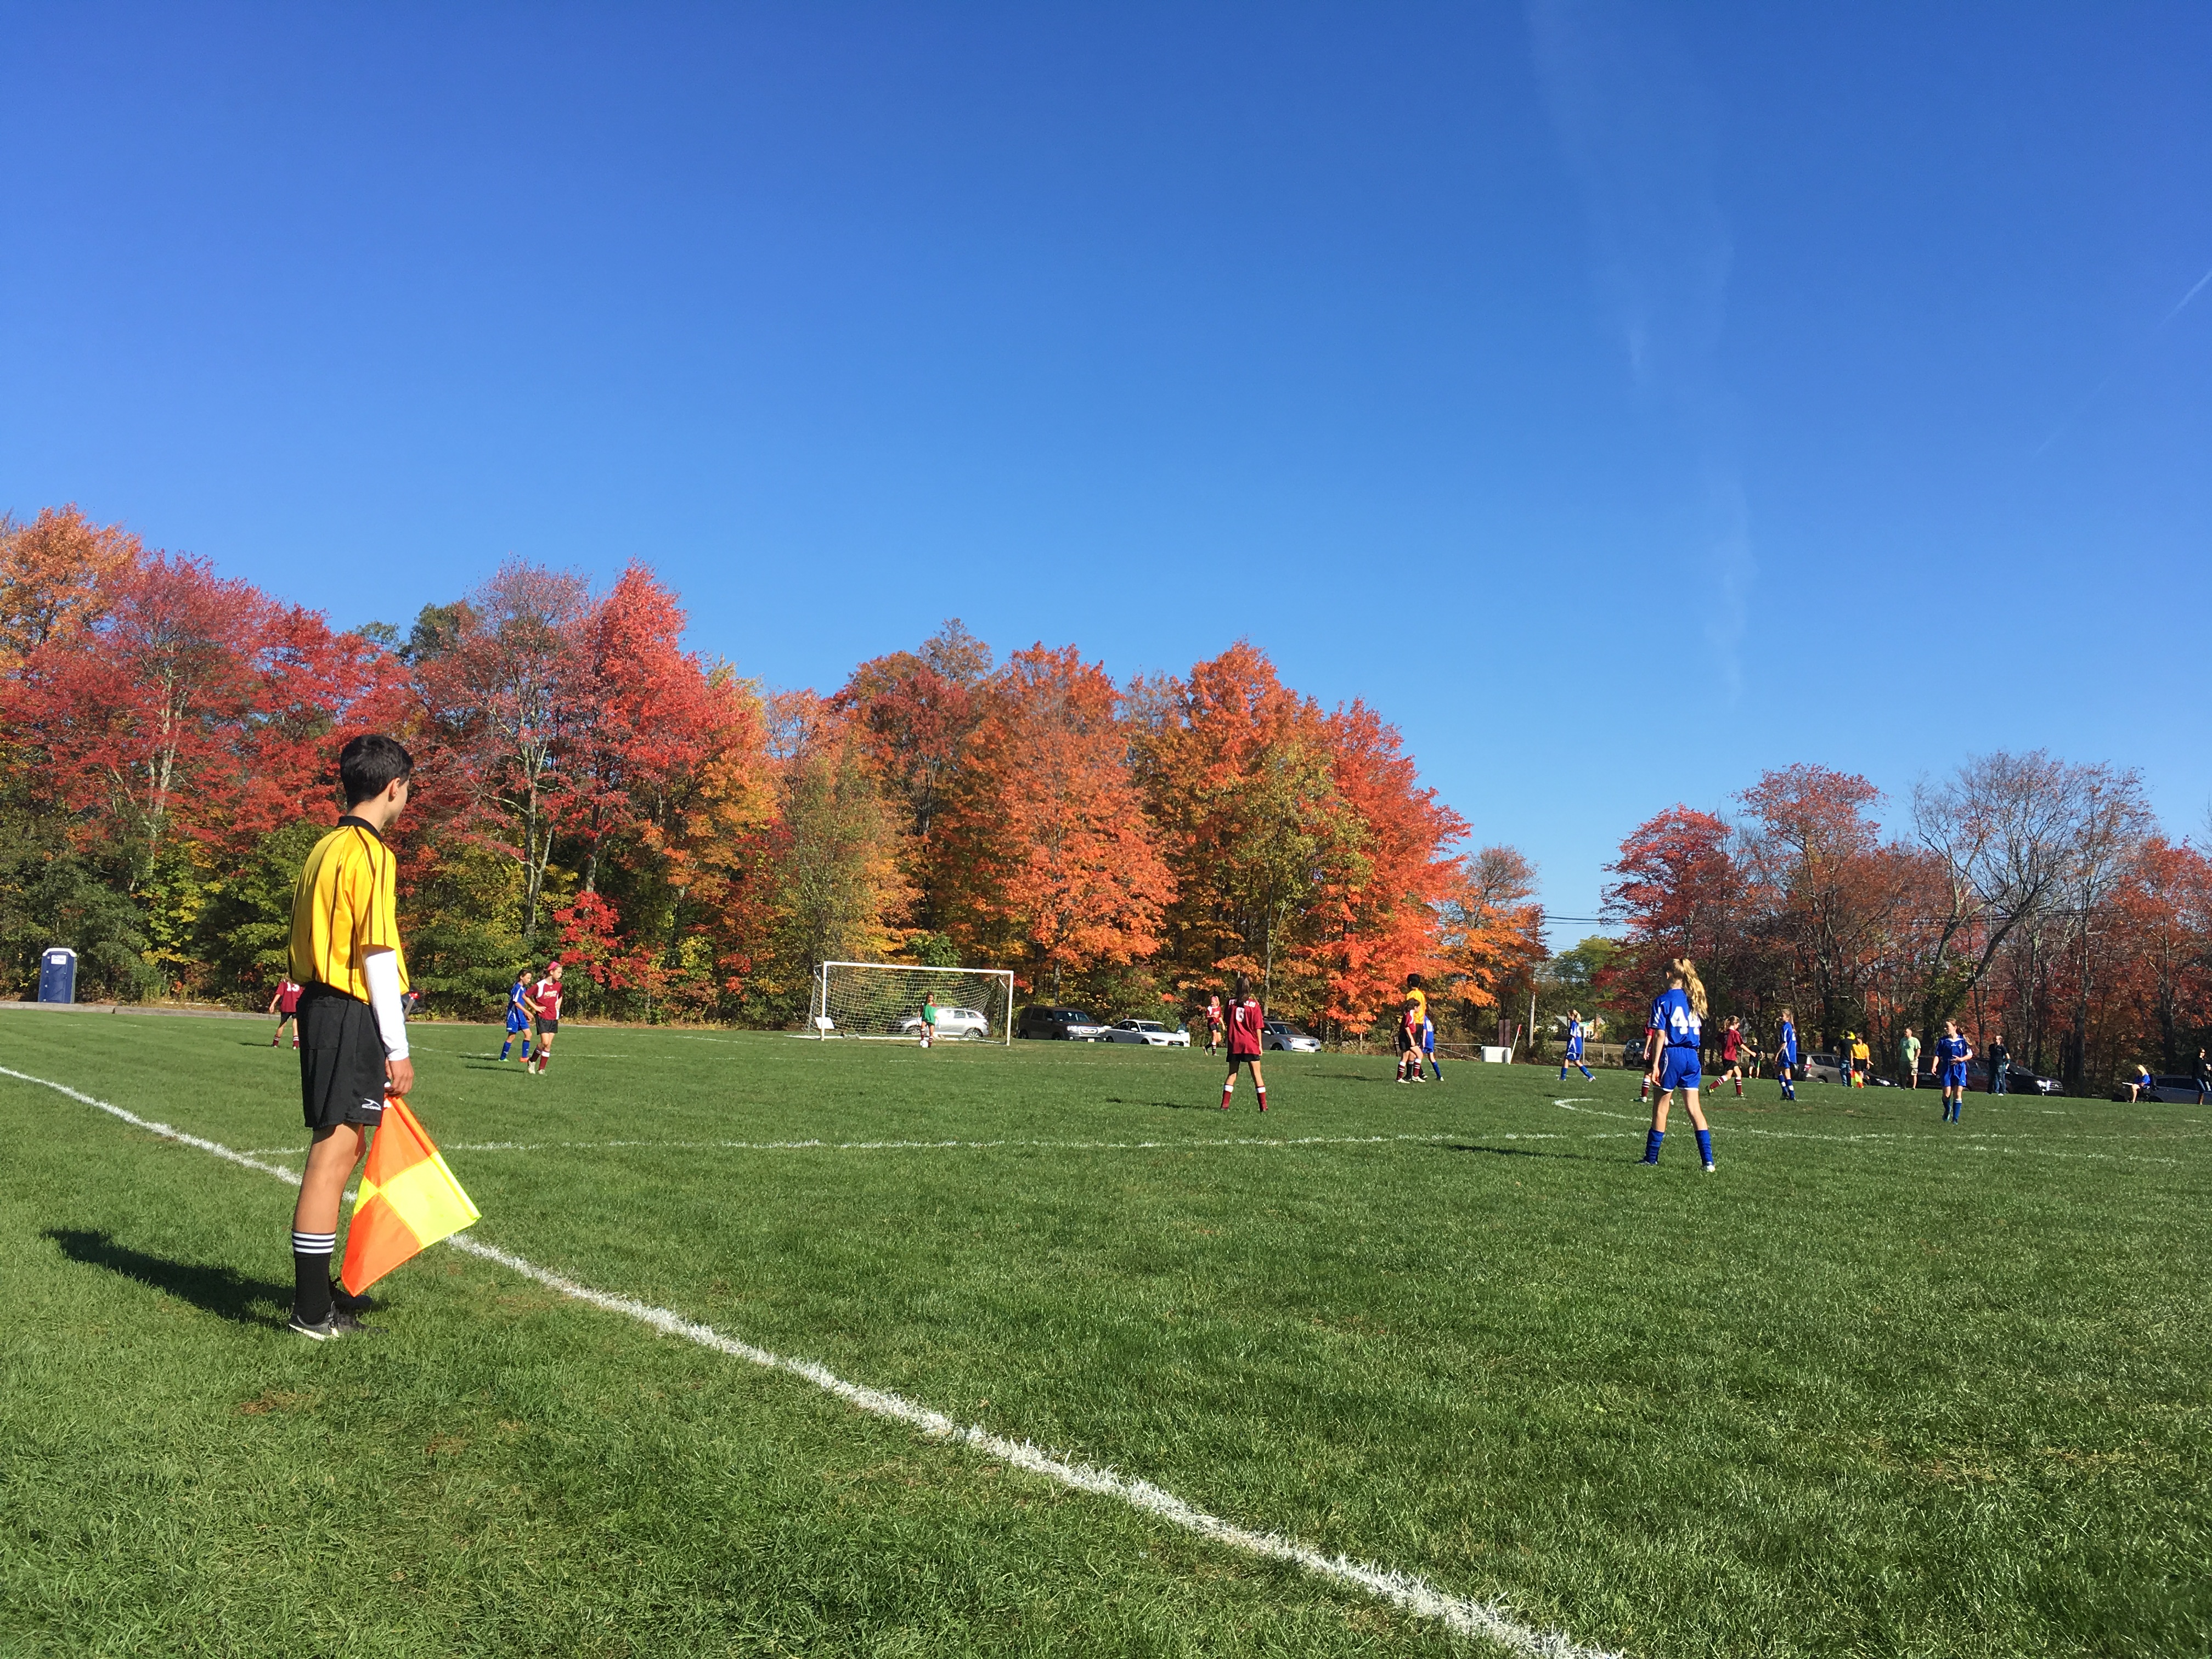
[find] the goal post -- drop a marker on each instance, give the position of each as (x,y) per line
(878,1000)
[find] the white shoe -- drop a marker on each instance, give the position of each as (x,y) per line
(1709,1169)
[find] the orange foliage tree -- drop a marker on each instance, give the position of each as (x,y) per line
(1049,860)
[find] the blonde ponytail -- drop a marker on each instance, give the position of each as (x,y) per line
(1686,976)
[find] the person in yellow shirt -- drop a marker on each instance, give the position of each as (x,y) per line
(352,1028)
(1862,1058)
(1415,1016)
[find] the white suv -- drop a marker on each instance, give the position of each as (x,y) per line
(950,1023)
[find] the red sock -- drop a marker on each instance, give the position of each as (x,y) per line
(1227,1090)
(1263,1100)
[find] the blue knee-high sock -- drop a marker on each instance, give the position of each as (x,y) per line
(1705,1145)
(1588,1074)
(504,1047)
(526,1047)
(1563,1075)
(1651,1140)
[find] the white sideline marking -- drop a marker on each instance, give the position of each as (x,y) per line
(1404,1590)
(1973,1141)
(945,1145)
(958,1145)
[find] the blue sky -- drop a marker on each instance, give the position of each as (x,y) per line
(1621,399)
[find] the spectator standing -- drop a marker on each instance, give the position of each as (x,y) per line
(1908,1057)
(2203,1076)
(2000,1059)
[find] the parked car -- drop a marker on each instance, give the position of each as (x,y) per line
(2019,1081)
(2174,1089)
(951,1023)
(1280,1035)
(1057,1024)
(1825,1067)
(1150,1032)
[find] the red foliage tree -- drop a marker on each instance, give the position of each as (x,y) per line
(190,706)
(1677,888)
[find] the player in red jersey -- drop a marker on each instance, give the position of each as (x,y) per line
(545,1001)
(1245,1022)
(285,1005)
(1732,1054)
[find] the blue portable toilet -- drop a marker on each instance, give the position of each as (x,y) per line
(57,975)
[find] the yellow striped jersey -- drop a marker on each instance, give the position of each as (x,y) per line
(346,904)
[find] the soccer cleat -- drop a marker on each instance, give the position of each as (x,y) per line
(338,1324)
(347,1303)
(1709,1169)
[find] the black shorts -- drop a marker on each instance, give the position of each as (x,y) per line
(1405,1041)
(1236,1059)
(543,1026)
(341,1060)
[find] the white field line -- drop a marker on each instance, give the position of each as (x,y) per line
(1403,1591)
(1969,1139)
(943,1145)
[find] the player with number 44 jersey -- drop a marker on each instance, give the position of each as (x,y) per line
(1674,1034)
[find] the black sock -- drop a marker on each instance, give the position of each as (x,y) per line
(311,1274)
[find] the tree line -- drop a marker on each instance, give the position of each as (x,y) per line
(2021,895)
(691,842)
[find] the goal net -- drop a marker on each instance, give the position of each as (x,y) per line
(885,999)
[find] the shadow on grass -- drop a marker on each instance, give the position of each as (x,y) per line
(223,1292)
(1167,1105)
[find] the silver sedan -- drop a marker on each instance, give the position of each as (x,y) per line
(1150,1032)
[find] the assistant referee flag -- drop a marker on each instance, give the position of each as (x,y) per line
(408,1199)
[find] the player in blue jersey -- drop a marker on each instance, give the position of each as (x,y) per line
(1951,1053)
(518,1015)
(1574,1046)
(1785,1057)
(1429,1045)
(1672,1036)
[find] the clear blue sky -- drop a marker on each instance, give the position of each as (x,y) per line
(1621,399)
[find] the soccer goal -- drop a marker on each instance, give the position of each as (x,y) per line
(885,999)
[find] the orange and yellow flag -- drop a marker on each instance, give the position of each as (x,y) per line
(408,1199)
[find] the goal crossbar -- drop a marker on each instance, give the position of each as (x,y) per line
(883,1001)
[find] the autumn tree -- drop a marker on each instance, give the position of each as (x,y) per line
(1678,890)
(1051,862)
(1819,886)
(1492,939)
(497,676)
(915,713)
(1238,775)
(54,574)
(829,867)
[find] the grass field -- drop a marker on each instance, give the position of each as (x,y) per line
(1877,1387)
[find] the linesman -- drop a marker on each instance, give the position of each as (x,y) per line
(353,1033)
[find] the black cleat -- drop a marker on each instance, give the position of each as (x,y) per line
(347,1303)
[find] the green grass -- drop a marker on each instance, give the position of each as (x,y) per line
(1878,1387)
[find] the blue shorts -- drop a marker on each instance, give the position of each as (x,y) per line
(1955,1075)
(1679,1069)
(516,1020)
(1574,1051)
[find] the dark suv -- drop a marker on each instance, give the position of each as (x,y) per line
(1057,1024)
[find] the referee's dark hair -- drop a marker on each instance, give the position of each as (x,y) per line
(369,765)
